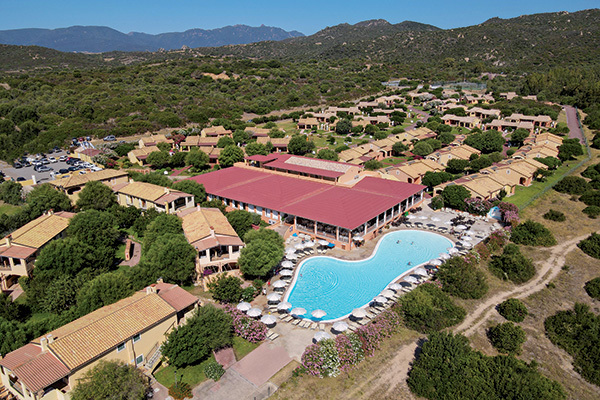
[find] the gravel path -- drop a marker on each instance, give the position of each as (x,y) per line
(575,131)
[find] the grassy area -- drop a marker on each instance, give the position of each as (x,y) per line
(394,160)
(198,291)
(8,209)
(524,194)
(242,347)
(194,374)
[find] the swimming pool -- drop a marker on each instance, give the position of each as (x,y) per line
(338,286)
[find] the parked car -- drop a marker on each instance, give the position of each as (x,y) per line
(62,158)
(109,138)
(52,159)
(45,161)
(63,171)
(43,168)
(73,168)
(17,165)
(21,179)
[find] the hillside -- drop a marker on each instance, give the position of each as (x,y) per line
(99,39)
(526,42)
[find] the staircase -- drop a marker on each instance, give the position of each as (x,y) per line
(154,358)
(5,394)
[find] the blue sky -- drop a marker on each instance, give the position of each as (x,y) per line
(153,16)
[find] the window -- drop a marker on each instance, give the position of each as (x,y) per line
(139,359)
(120,347)
(137,338)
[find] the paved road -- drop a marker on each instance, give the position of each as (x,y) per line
(574,131)
(27,172)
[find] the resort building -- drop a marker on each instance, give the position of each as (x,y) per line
(308,123)
(196,141)
(145,195)
(481,186)
(153,140)
(461,152)
(390,100)
(543,121)
(304,166)
(216,131)
(19,250)
(483,113)
(503,125)
(321,209)
(347,110)
(414,171)
(138,156)
(257,132)
(461,122)
(85,154)
(279,144)
(130,330)
(216,242)
(73,184)
(516,172)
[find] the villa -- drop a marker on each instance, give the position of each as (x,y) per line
(198,142)
(216,131)
(461,152)
(209,232)
(257,132)
(308,123)
(414,171)
(145,195)
(323,209)
(18,253)
(462,122)
(130,330)
(153,140)
(72,185)
(280,144)
(138,156)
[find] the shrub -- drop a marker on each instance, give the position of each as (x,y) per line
(554,215)
(591,245)
(462,280)
(447,368)
(478,206)
(532,233)
(507,337)
(513,310)
(512,265)
(454,197)
(571,185)
(437,202)
(245,327)
(577,331)
(592,288)
(226,289)
(591,198)
(429,309)
(180,390)
(213,370)
(592,211)
(510,213)
(248,294)
(497,240)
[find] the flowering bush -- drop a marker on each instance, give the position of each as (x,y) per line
(497,240)
(478,206)
(483,250)
(213,370)
(472,258)
(330,357)
(510,213)
(245,327)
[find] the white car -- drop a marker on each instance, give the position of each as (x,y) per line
(52,159)
(62,158)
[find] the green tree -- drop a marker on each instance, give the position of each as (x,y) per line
(454,197)
(12,336)
(422,149)
(457,166)
(164,146)
(507,337)
(241,221)
(343,127)
(513,310)
(327,154)
(462,280)
(111,380)
(240,137)
(197,159)
(225,141)
(300,145)
(518,137)
(432,179)
(230,155)
(259,257)
(44,197)
(532,233)
(591,245)
(373,165)
(66,256)
(95,228)
(254,148)
(263,234)
(208,329)
(158,159)
(61,294)
(398,148)
(172,258)
(178,159)
(162,224)
(569,149)
(11,192)
(124,148)
(488,141)
(96,196)
(103,290)
(191,187)
(226,289)
(572,185)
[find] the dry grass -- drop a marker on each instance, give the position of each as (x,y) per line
(360,383)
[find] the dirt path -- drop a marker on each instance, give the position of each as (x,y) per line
(548,271)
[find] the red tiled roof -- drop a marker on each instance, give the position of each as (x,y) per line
(281,162)
(335,205)
(91,152)
(177,297)
(16,251)
(20,356)
(261,158)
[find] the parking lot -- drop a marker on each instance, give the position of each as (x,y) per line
(40,177)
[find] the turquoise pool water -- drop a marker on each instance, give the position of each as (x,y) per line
(338,286)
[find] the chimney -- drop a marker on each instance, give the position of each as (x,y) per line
(51,211)
(167,190)
(150,289)
(50,338)
(212,232)
(44,344)
(8,240)
(160,280)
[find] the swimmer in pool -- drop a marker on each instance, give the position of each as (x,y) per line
(411,243)
(410,263)
(397,242)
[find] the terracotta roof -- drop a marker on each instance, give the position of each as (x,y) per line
(215,131)
(197,223)
(79,180)
(200,141)
(313,166)
(177,297)
(90,152)
(142,153)
(78,346)
(41,230)
(154,139)
(276,142)
(16,251)
(149,191)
